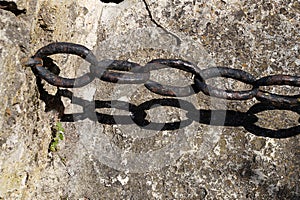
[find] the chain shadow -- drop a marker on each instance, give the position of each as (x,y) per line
(210,117)
(138,114)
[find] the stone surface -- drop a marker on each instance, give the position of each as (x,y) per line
(100,161)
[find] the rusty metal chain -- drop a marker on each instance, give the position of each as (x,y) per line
(125,72)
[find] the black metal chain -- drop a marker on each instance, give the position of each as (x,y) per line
(125,72)
(134,73)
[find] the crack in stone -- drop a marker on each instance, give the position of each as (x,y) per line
(178,40)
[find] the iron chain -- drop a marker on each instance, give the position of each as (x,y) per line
(125,72)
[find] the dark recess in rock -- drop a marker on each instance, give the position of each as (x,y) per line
(12,7)
(112,1)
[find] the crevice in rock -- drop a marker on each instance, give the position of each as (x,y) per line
(112,1)
(53,102)
(12,7)
(178,40)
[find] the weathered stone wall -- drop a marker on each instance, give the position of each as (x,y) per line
(95,161)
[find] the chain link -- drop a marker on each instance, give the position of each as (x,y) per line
(132,73)
(125,72)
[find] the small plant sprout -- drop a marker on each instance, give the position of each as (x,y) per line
(58,134)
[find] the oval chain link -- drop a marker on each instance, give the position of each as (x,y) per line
(125,72)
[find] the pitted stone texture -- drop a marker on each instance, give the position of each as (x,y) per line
(260,37)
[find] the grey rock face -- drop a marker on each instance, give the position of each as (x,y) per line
(102,161)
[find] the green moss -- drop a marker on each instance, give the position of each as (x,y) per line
(58,134)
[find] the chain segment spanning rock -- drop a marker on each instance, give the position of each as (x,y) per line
(132,73)
(125,72)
